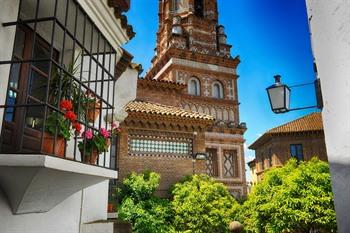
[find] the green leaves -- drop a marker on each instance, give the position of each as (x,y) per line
(56,121)
(201,204)
(297,196)
(146,212)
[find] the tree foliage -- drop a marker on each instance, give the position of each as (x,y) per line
(146,212)
(295,198)
(201,204)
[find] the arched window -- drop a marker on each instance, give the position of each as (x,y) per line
(194,87)
(200,109)
(199,8)
(217,90)
(232,116)
(225,115)
(219,114)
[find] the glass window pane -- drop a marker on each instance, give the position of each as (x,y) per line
(293,151)
(41,52)
(14,75)
(38,85)
(34,116)
(11,100)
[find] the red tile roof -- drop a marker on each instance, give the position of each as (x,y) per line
(165,110)
(307,124)
(311,122)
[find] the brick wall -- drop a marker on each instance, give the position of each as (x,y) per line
(313,145)
(171,169)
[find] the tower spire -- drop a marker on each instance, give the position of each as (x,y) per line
(192,26)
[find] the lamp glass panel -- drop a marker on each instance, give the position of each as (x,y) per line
(277,97)
(287,96)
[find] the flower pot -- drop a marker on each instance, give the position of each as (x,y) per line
(108,143)
(49,144)
(110,208)
(90,157)
(92,111)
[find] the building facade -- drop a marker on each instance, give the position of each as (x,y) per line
(192,51)
(302,139)
(162,137)
(51,51)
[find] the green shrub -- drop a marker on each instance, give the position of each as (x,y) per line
(295,198)
(200,204)
(146,212)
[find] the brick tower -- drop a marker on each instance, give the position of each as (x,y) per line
(192,50)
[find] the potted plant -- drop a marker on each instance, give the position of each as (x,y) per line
(93,144)
(114,131)
(63,86)
(92,106)
(61,125)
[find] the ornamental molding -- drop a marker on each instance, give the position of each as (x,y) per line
(195,65)
(223,135)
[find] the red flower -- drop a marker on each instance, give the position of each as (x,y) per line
(70,116)
(66,105)
(77,127)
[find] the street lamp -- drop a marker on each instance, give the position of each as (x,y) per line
(198,156)
(279,96)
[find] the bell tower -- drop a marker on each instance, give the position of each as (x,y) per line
(192,49)
(191,25)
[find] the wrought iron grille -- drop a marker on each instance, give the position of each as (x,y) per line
(59,54)
(212,163)
(230,163)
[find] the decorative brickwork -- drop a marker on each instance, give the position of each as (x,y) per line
(192,70)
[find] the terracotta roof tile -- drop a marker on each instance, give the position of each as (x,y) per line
(311,122)
(159,109)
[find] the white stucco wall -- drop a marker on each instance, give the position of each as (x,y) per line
(64,218)
(95,200)
(330,28)
(125,92)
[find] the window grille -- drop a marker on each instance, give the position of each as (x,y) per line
(212,163)
(59,53)
(230,163)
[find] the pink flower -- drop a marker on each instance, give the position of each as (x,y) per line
(104,133)
(115,125)
(88,134)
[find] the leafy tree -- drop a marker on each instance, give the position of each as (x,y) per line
(295,198)
(201,204)
(146,212)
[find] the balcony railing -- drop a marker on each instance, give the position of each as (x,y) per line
(60,95)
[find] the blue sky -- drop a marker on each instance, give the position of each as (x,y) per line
(270,36)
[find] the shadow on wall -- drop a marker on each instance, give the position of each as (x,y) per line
(340,175)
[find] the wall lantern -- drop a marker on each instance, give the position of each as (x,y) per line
(279,96)
(198,156)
